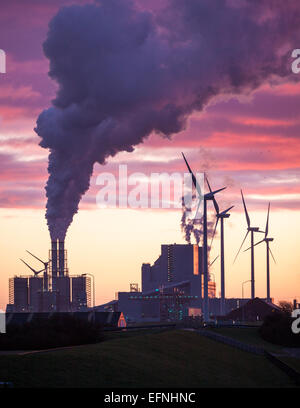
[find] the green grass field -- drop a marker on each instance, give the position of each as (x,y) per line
(153,359)
(249,336)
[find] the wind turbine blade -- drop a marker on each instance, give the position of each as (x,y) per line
(226,211)
(36,257)
(208,183)
(241,246)
(217,191)
(216,224)
(28,266)
(257,243)
(214,260)
(267,224)
(196,214)
(196,184)
(245,209)
(214,200)
(216,205)
(272,254)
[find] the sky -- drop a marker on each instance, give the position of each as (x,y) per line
(249,141)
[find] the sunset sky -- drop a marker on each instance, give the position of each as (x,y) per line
(248,141)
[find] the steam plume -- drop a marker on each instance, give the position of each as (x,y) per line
(194,226)
(123,73)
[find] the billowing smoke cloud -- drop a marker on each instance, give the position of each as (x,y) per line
(123,73)
(191,226)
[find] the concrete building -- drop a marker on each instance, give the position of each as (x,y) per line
(48,300)
(81,292)
(63,294)
(18,293)
(172,287)
(32,293)
(35,293)
(177,263)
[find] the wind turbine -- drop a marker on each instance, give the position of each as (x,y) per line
(221,216)
(206,197)
(45,271)
(267,240)
(252,230)
(33,270)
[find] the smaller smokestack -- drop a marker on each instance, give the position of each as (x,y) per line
(61,258)
(54,258)
(54,263)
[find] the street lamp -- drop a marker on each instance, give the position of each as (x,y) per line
(243,295)
(89,274)
(243,287)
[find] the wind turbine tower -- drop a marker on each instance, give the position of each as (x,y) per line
(205,198)
(252,230)
(221,216)
(267,240)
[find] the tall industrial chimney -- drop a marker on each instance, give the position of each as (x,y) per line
(54,258)
(61,258)
(54,263)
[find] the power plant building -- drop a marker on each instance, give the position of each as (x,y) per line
(55,291)
(63,292)
(172,288)
(35,293)
(81,292)
(18,293)
(177,263)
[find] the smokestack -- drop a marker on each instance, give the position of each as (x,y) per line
(61,258)
(54,262)
(54,258)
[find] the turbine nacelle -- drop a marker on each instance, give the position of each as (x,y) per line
(225,213)
(210,195)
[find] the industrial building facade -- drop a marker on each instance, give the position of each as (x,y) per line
(172,288)
(177,263)
(26,294)
(55,290)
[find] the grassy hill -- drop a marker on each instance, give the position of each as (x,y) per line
(247,335)
(160,358)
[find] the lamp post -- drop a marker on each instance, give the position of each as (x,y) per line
(89,274)
(243,287)
(243,294)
